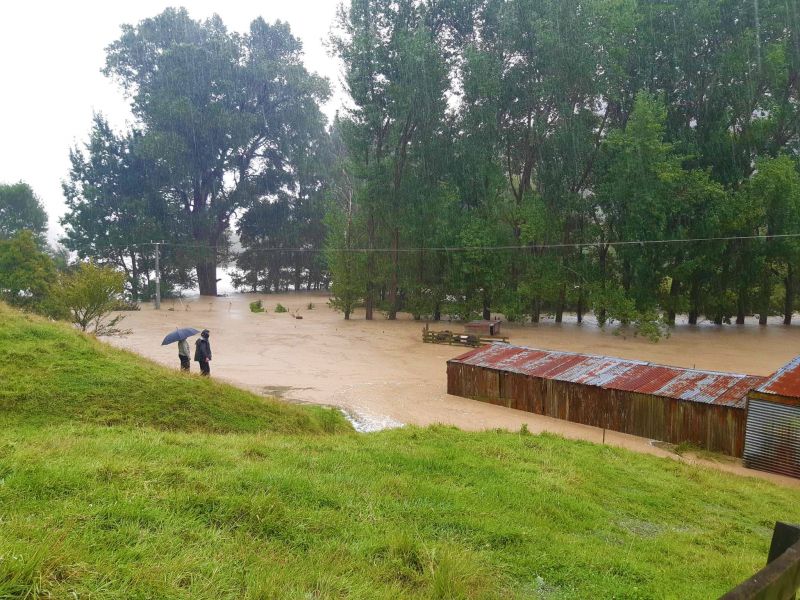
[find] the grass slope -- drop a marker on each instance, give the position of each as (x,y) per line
(95,511)
(50,373)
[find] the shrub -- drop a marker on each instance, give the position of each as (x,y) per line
(280,308)
(256,307)
(88,295)
(26,272)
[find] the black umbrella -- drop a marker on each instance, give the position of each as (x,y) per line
(180,334)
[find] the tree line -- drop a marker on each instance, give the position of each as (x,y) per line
(558,129)
(553,129)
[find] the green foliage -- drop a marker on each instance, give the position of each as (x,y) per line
(88,294)
(27,274)
(21,209)
(280,308)
(577,123)
(257,307)
(225,122)
(115,205)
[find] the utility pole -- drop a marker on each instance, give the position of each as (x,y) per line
(158,280)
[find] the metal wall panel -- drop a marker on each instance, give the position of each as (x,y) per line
(719,428)
(772,438)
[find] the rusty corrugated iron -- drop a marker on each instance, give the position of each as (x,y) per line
(693,385)
(785,382)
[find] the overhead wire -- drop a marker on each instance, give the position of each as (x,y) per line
(558,245)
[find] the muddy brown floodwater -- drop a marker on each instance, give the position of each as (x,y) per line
(382,375)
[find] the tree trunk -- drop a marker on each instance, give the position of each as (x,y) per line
(207,276)
(694,303)
(134,278)
(674,292)
(602,255)
(486,312)
(369,293)
(788,299)
(369,304)
(536,310)
(764,297)
(579,309)
(395,269)
(741,302)
(437,312)
(560,306)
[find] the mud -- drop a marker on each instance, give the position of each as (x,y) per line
(382,375)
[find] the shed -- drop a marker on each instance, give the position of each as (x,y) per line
(772,437)
(672,404)
(490,328)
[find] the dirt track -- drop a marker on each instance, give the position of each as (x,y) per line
(381,373)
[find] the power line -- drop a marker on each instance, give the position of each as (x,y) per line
(574,245)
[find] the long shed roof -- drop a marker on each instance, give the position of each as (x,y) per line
(708,387)
(785,382)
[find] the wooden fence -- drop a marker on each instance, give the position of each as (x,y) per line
(780,579)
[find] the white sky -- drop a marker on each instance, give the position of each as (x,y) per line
(51,54)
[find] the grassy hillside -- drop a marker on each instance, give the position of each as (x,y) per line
(50,373)
(155,509)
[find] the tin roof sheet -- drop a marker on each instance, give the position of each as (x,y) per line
(708,387)
(785,381)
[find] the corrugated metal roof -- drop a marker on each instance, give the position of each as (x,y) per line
(708,387)
(785,381)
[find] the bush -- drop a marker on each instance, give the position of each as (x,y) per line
(280,308)
(88,295)
(26,273)
(257,307)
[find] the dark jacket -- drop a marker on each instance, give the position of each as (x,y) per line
(202,350)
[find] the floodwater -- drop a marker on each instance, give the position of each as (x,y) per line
(382,375)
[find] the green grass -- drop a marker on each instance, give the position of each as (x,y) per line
(51,374)
(142,509)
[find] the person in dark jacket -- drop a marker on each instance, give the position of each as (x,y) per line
(202,353)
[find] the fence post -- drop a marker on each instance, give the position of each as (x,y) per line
(780,579)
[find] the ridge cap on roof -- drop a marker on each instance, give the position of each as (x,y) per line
(627,360)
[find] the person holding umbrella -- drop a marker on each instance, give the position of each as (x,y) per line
(202,353)
(183,355)
(180,336)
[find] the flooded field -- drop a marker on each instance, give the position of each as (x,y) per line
(382,374)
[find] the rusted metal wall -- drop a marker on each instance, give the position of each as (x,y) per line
(718,428)
(772,442)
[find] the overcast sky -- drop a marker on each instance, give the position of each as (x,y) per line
(51,54)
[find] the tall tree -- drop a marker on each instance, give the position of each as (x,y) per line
(218,110)
(20,209)
(396,75)
(115,208)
